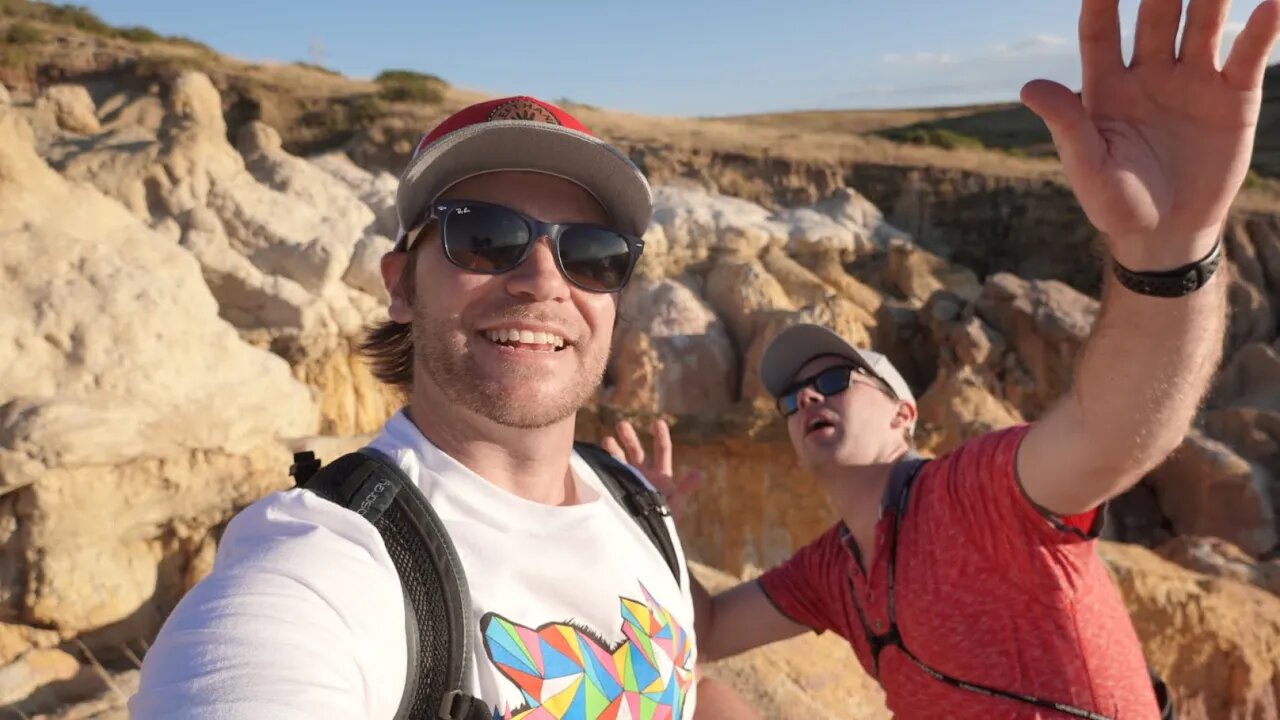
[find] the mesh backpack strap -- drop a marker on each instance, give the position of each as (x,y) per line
(437,603)
(647,507)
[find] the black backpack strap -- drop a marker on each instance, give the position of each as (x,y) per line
(437,603)
(646,506)
(901,476)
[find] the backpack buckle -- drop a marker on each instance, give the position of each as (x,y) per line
(647,502)
(304,466)
(457,705)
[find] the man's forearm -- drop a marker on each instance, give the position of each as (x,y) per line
(702,608)
(1146,367)
(1138,383)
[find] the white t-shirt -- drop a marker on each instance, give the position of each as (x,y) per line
(576,613)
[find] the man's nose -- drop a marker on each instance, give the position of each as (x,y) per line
(538,277)
(808,395)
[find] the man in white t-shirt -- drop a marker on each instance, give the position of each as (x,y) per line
(519,229)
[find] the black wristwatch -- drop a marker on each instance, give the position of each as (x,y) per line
(1171,283)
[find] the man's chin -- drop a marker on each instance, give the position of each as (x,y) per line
(512,403)
(818,454)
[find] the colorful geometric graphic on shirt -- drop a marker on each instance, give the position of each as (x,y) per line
(568,673)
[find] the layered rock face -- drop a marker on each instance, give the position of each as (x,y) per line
(179,309)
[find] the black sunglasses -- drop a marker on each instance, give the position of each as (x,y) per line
(827,383)
(492,239)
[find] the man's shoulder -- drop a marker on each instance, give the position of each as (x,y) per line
(297,524)
(986,451)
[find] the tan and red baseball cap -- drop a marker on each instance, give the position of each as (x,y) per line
(522,133)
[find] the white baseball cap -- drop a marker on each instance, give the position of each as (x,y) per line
(795,346)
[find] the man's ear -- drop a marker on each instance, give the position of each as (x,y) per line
(393,266)
(906,414)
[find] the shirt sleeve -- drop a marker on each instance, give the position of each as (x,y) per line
(985,496)
(805,587)
(301,617)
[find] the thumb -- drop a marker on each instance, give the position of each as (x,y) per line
(1073,131)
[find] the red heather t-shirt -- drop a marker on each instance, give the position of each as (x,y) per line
(987,590)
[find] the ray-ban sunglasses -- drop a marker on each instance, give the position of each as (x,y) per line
(493,239)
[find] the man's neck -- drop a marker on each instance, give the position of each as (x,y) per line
(857,493)
(530,463)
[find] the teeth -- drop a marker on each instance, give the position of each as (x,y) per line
(526,337)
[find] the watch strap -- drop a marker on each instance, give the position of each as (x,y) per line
(1177,282)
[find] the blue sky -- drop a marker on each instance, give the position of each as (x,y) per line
(663,57)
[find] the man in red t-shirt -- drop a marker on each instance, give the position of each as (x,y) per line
(969,587)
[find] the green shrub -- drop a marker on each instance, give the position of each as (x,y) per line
(85,20)
(21,33)
(345,116)
(139,34)
(181,40)
(937,137)
(77,16)
(410,86)
(14,56)
(317,68)
(570,103)
(168,66)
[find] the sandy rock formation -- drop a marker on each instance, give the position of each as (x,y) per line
(917,273)
(133,418)
(957,407)
(1252,317)
(70,107)
(1253,433)
(739,291)
(292,226)
(377,191)
(827,266)
(1213,641)
(804,287)
(365,271)
(698,226)
(1044,323)
(1205,488)
(20,679)
(1219,558)
(673,355)
(1251,378)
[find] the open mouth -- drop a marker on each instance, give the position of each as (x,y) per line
(817,424)
(530,340)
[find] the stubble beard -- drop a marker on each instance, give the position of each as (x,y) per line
(443,354)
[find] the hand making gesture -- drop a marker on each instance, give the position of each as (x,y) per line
(658,470)
(1157,149)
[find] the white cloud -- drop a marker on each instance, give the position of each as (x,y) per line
(918,58)
(990,74)
(1041,43)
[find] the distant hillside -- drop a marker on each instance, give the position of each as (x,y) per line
(1009,127)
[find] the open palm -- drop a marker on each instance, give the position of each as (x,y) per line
(1156,149)
(657,467)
